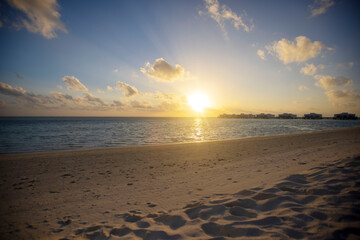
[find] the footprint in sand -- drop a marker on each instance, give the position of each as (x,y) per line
(289,209)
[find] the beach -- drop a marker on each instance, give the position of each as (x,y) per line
(298,186)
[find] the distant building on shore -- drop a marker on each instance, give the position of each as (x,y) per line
(313,116)
(345,116)
(241,115)
(287,116)
(341,116)
(258,116)
(247,116)
(265,116)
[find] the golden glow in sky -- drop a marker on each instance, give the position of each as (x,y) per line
(198,102)
(230,62)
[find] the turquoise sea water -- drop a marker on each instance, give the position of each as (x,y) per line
(42,134)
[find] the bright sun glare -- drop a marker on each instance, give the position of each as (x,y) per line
(198,102)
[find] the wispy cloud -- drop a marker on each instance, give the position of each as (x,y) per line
(160,95)
(128,90)
(261,54)
(19,76)
(299,50)
(42,16)
(222,13)
(309,69)
(134,75)
(320,7)
(345,65)
(303,88)
(328,82)
(74,84)
(163,71)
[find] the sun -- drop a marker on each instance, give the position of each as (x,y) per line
(198,102)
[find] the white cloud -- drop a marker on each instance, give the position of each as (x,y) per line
(343,94)
(93,99)
(320,7)
(261,54)
(129,91)
(328,82)
(99,91)
(163,71)
(24,96)
(74,84)
(346,100)
(87,102)
(300,50)
(147,94)
(141,104)
(309,69)
(116,70)
(64,98)
(42,16)
(303,88)
(7,89)
(222,13)
(109,88)
(117,104)
(59,87)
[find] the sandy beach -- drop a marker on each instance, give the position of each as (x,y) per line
(300,186)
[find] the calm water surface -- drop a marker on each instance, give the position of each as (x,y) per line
(40,134)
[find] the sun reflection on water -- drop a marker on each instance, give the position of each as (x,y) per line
(198,130)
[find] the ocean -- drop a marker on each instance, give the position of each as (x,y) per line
(47,134)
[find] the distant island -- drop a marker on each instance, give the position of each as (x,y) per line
(338,116)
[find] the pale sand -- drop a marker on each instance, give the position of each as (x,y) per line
(292,186)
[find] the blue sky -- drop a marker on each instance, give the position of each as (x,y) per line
(144,58)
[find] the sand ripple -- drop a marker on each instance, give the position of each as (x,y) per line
(323,203)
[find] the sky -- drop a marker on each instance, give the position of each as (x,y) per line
(147,58)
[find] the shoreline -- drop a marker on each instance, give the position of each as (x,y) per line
(166,144)
(111,192)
